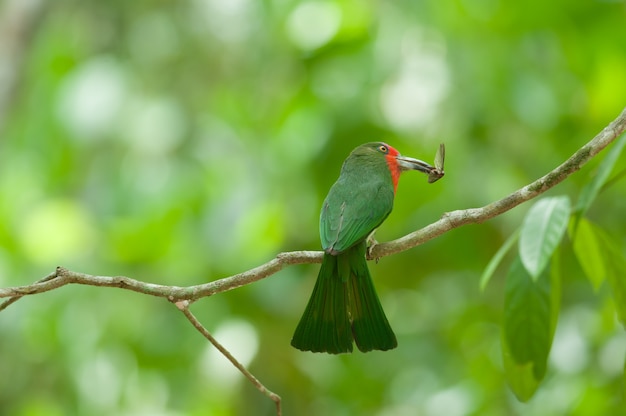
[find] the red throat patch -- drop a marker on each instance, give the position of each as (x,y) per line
(393,166)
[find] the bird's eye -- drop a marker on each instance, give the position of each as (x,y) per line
(383,148)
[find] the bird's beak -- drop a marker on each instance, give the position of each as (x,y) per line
(408,163)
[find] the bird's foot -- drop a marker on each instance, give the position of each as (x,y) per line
(371,243)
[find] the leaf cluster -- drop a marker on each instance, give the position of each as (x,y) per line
(534,278)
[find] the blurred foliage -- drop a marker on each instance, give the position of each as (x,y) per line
(181,142)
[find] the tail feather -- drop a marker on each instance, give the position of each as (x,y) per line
(324,326)
(344,307)
(370,327)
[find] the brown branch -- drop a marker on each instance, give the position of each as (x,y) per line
(448,222)
(183,306)
(458,218)
(63,276)
(15,298)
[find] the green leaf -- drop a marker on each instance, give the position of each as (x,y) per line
(528,317)
(591,190)
(601,257)
(555,291)
(519,376)
(542,231)
(497,259)
(588,248)
(616,272)
(524,377)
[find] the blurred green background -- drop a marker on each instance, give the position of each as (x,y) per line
(178,142)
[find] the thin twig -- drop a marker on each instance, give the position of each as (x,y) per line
(183,306)
(14,299)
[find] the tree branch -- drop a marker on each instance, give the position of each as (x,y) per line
(183,306)
(458,218)
(63,276)
(448,222)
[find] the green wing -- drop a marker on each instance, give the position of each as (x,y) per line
(352,211)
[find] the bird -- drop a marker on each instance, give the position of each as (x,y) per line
(344,308)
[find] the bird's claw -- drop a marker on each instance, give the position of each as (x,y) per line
(371,243)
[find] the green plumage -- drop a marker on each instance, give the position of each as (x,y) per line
(344,305)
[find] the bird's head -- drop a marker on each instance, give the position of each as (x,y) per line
(395,161)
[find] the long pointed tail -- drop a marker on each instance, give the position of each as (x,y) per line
(344,307)
(324,326)
(370,327)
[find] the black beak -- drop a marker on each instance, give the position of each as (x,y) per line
(408,163)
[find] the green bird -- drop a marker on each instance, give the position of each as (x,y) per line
(344,305)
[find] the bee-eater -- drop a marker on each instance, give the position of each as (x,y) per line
(344,305)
